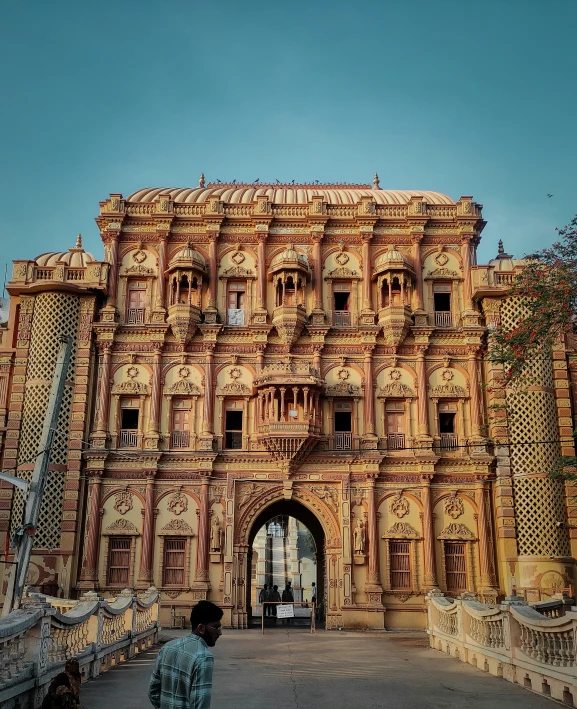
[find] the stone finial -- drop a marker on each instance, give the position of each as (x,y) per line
(78,242)
(201,181)
(376,182)
(501,247)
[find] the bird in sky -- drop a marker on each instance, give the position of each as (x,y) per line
(549,195)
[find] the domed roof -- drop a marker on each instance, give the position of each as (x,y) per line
(188,257)
(504,261)
(73,258)
(289,258)
(285,194)
(392,258)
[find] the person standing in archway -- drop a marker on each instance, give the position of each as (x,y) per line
(287,597)
(274,598)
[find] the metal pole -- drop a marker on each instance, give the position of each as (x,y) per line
(25,533)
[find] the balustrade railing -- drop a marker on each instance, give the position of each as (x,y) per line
(36,640)
(128,438)
(395,441)
(512,640)
(443,318)
(180,439)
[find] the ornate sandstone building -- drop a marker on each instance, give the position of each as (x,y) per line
(245,352)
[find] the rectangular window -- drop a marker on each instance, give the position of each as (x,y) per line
(341,304)
(136,302)
(343,425)
(395,424)
(236,299)
(455,567)
(448,426)
(181,419)
(119,561)
(233,425)
(129,415)
(173,566)
(400,560)
(442,304)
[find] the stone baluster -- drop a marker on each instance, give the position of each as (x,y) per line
(145,575)
(203,533)
(430,578)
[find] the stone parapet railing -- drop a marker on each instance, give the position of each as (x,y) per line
(512,640)
(36,640)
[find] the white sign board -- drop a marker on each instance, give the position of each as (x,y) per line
(293,413)
(285,612)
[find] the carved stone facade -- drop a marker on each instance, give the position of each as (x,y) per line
(315,351)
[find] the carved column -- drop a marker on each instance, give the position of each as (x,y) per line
(201,573)
(145,575)
(113,274)
(423,402)
(369,428)
(262,271)
(474,392)
(367,294)
(488,580)
(466,256)
(89,573)
(208,409)
(104,397)
(213,270)
(156,398)
(160,291)
(430,578)
(318,295)
(374,578)
(418,269)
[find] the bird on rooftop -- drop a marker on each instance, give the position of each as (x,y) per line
(292,183)
(233,182)
(257,180)
(549,195)
(278,182)
(218,182)
(316,182)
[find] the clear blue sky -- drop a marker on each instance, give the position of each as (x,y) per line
(459,97)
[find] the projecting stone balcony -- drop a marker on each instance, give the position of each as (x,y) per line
(395,321)
(183,319)
(289,321)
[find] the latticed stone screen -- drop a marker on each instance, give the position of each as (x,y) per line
(533,432)
(55,314)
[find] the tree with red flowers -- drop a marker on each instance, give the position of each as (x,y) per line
(548,286)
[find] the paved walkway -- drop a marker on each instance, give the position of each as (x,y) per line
(291,669)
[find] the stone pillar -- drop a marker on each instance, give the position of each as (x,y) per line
(466,257)
(161,290)
(145,575)
(318,271)
(369,418)
(103,399)
(367,299)
(430,578)
(156,398)
(423,400)
(89,573)
(474,391)
(201,573)
(208,409)
(418,269)
(213,271)
(113,274)
(374,578)
(261,272)
(488,580)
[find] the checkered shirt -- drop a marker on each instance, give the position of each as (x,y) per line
(182,676)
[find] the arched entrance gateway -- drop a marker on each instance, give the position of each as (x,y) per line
(277,523)
(267,502)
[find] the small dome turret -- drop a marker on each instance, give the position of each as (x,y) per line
(73,258)
(289,259)
(392,259)
(187,258)
(503,260)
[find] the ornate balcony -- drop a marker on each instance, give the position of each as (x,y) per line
(395,321)
(183,318)
(289,412)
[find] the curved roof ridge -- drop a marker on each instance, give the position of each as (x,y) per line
(286,194)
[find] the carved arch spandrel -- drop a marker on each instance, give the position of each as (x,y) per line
(115,490)
(413,495)
(305,497)
(165,492)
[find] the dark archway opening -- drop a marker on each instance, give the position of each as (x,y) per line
(289,508)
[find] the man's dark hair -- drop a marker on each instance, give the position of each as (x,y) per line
(204,612)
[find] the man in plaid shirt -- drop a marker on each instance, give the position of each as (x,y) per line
(182,676)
